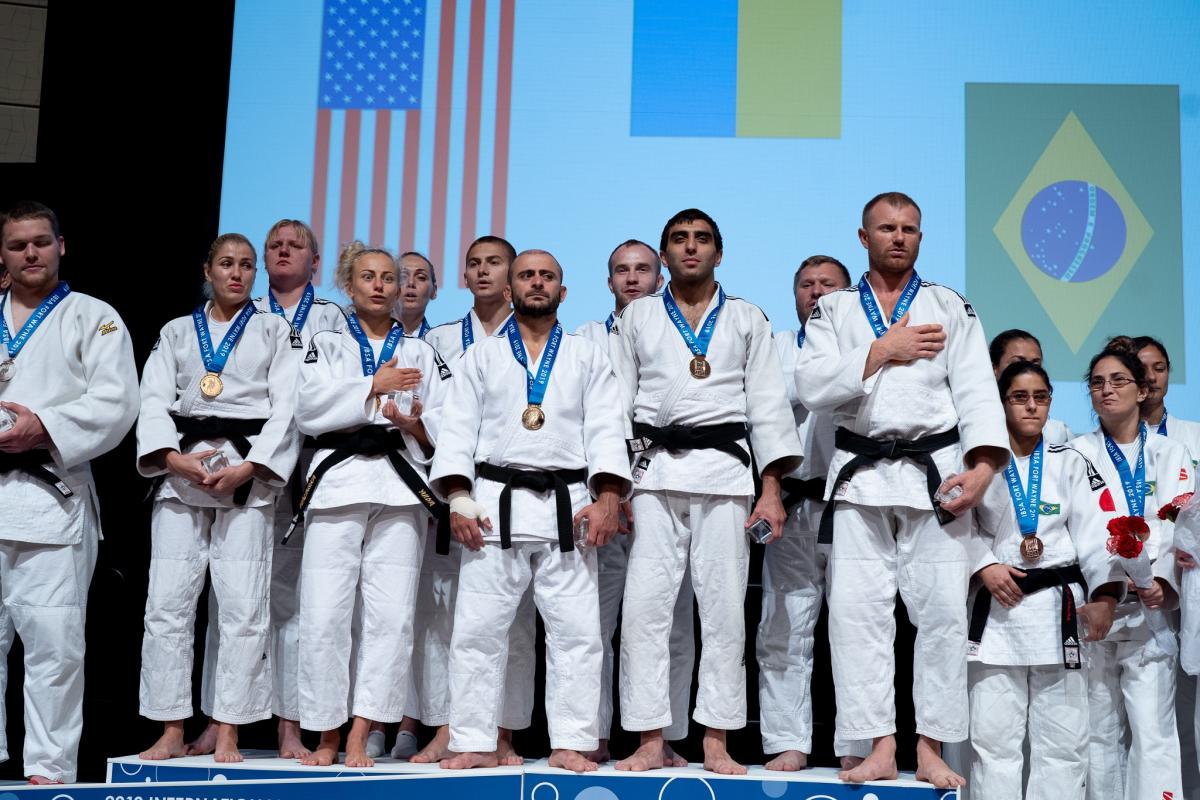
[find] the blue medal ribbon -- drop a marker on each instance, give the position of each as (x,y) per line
(800,338)
(214,360)
(608,323)
(867,298)
(1162,424)
(1132,483)
(535,389)
(365,352)
(424,329)
(13,344)
(468,332)
(697,344)
(1027,500)
(302,308)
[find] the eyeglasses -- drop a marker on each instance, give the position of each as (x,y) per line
(1022,397)
(1096,384)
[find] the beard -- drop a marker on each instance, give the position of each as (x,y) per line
(549,309)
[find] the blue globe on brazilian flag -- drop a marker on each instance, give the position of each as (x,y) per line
(1073,215)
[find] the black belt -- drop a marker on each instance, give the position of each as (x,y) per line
(796,491)
(537,481)
(373,440)
(31,463)
(868,451)
(234,431)
(692,437)
(1036,580)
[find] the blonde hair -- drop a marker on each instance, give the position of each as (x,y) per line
(305,234)
(350,255)
(224,239)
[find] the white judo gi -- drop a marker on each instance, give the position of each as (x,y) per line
(192,530)
(366,532)
(583,430)
(323,315)
(1057,432)
(76,372)
(886,536)
(793,584)
(614,561)
(690,506)
(1018,682)
(435,606)
(1134,747)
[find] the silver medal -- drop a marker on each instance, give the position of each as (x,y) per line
(8,368)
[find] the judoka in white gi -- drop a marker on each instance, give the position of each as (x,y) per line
(793,573)
(530,435)
(292,257)
(902,366)
(486,274)
(634,270)
(68,393)
(1013,345)
(216,426)
(1043,522)
(1134,746)
(702,384)
(1153,355)
(367,507)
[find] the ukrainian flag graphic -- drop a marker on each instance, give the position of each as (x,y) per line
(1073,215)
(737,68)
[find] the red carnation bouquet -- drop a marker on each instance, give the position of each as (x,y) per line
(1170,511)
(1127,535)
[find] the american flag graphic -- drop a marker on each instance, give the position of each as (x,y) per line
(403,120)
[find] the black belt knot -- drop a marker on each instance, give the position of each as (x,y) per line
(1036,579)
(538,481)
(372,440)
(723,437)
(796,491)
(234,431)
(32,463)
(867,451)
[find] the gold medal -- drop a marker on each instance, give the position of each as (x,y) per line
(211,385)
(700,368)
(1031,549)
(533,418)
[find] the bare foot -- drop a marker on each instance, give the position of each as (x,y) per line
(42,780)
(205,743)
(850,762)
(600,754)
(572,760)
(647,757)
(671,758)
(716,757)
(932,769)
(788,761)
(326,753)
(505,752)
(290,744)
(227,749)
(169,745)
(356,743)
(470,761)
(880,765)
(437,750)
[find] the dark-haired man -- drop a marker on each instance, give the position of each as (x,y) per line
(701,383)
(68,393)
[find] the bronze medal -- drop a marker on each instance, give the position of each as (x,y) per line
(533,418)
(1031,549)
(211,385)
(700,368)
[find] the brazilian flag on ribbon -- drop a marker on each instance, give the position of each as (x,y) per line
(770,68)
(1073,216)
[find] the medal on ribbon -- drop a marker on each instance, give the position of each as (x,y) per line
(1133,482)
(698,344)
(13,344)
(211,384)
(867,299)
(533,418)
(299,318)
(1027,502)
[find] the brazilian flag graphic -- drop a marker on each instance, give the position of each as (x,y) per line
(1073,216)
